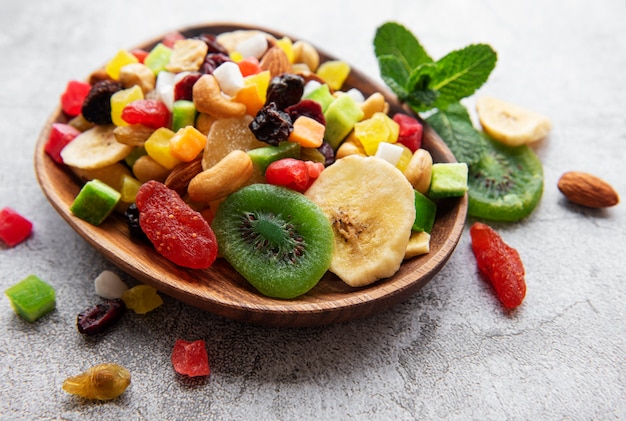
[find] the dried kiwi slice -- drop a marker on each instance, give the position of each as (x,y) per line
(277,239)
(506,184)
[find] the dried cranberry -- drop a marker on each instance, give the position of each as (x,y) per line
(306,107)
(212,61)
(184,88)
(96,319)
(271,125)
(329,153)
(97,104)
(285,90)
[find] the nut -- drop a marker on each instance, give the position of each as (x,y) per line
(307,54)
(419,170)
(222,179)
(181,175)
(350,146)
(146,169)
(208,98)
(138,74)
(276,61)
(374,103)
(587,190)
(134,135)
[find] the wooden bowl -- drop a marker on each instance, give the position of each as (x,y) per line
(220,289)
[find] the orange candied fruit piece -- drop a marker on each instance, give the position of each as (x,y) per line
(254,92)
(308,132)
(187,143)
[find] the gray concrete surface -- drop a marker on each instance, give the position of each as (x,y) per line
(450,351)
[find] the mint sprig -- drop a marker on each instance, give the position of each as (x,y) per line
(428,85)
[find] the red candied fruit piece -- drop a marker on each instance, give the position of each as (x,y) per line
(73,97)
(184,88)
(14,228)
(190,358)
(177,232)
(149,112)
(293,173)
(250,66)
(171,37)
(411,131)
(500,264)
(140,54)
(60,135)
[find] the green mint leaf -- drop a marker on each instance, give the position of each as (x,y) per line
(394,39)
(421,97)
(455,127)
(460,73)
(394,74)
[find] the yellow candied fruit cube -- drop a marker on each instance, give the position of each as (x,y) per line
(286,45)
(158,148)
(235,56)
(121,59)
(121,99)
(129,189)
(379,128)
(254,92)
(261,80)
(405,158)
(187,143)
(334,73)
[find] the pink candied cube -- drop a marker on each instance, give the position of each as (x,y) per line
(190,358)
(60,135)
(410,131)
(14,228)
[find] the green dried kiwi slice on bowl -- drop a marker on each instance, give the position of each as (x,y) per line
(277,239)
(506,184)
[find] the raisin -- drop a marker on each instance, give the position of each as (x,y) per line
(329,153)
(285,90)
(177,232)
(96,319)
(271,125)
(97,104)
(212,61)
(308,108)
(500,264)
(131,216)
(213,44)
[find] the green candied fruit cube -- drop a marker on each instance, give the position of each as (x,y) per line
(425,213)
(158,58)
(448,179)
(321,95)
(95,201)
(31,298)
(341,116)
(183,114)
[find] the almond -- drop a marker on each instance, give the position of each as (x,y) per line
(276,61)
(181,175)
(587,190)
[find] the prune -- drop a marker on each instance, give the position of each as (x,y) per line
(97,104)
(306,107)
(271,125)
(285,90)
(96,319)
(184,88)
(327,150)
(212,61)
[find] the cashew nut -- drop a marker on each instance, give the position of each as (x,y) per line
(222,179)
(208,98)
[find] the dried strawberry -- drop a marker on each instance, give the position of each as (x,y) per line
(190,358)
(500,264)
(177,232)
